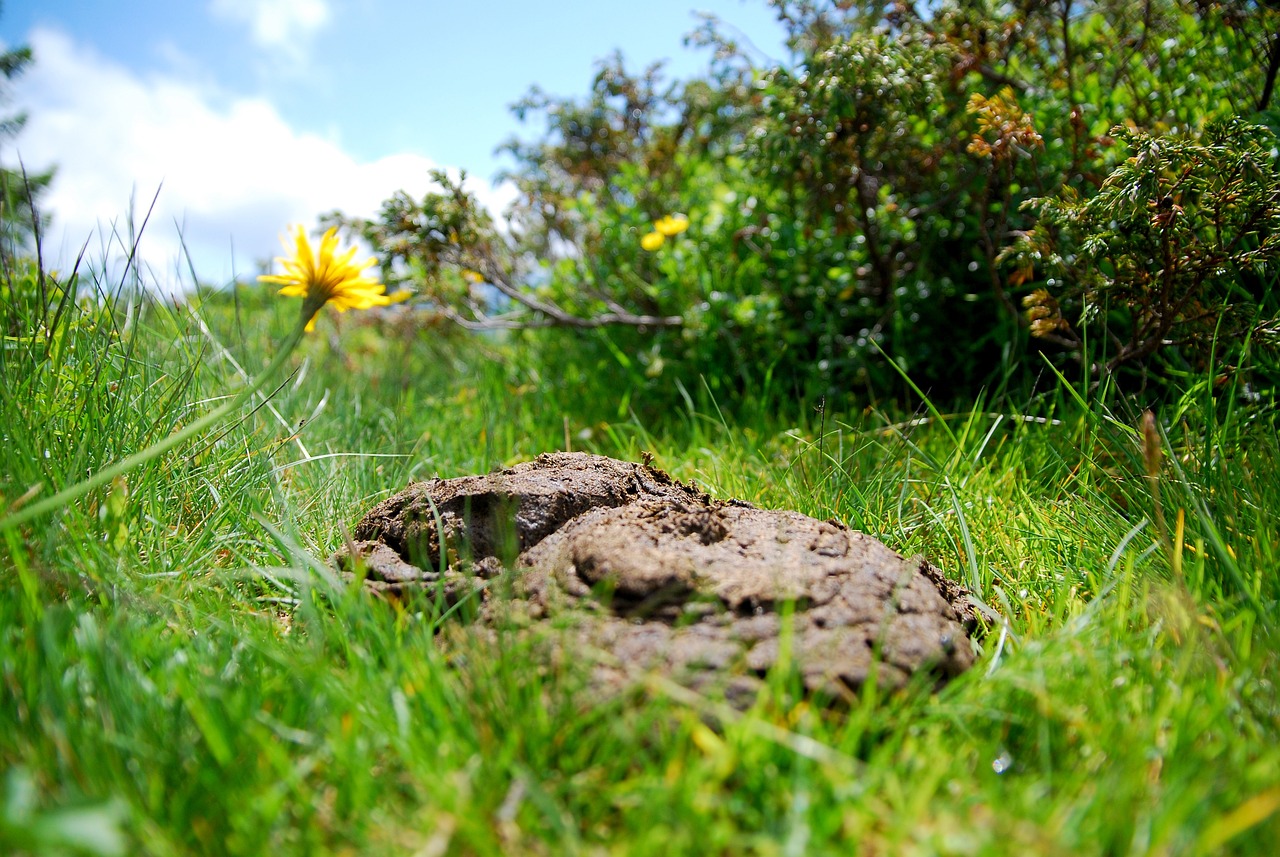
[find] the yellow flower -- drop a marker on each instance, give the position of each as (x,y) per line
(666,227)
(672,225)
(323,278)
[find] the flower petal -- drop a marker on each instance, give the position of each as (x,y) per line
(672,225)
(652,241)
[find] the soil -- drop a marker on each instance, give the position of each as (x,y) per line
(618,562)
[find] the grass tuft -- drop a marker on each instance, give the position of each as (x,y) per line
(179,673)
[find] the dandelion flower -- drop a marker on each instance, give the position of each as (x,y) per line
(325,278)
(672,225)
(667,227)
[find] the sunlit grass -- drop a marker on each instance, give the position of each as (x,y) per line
(179,673)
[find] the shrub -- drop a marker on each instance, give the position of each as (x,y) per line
(1170,257)
(857,202)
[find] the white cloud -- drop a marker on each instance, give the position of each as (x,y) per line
(276,24)
(231,171)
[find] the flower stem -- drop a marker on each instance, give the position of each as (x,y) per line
(124,465)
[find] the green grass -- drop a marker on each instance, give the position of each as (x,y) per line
(178,673)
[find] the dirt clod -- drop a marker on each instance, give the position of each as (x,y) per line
(647,574)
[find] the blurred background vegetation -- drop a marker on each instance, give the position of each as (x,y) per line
(966,194)
(20,224)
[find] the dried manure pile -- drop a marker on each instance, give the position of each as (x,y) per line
(619,562)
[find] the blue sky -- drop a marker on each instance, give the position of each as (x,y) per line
(251,114)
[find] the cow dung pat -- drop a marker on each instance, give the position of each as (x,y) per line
(619,561)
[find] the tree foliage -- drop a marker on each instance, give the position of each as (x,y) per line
(20,222)
(873,197)
(1173,251)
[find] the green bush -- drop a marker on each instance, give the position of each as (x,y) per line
(1169,257)
(858,202)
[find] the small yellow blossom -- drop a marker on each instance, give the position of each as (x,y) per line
(672,225)
(666,227)
(652,241)
(322,278)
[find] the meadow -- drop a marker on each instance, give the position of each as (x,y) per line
(181,673)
